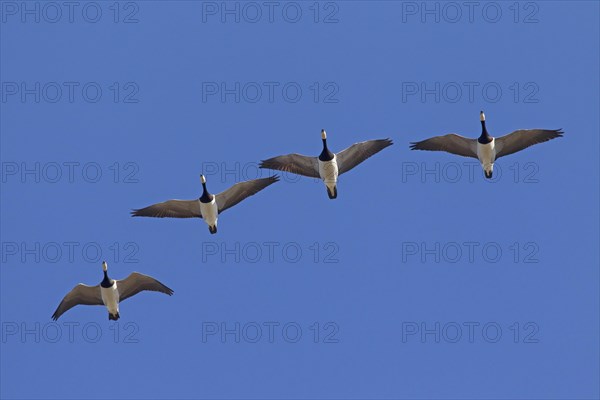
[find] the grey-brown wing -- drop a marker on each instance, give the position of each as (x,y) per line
(137,282)
(170,209)
(295,163)
(523,138)
(359,152)
(81,294)
(451,143)
(240,191)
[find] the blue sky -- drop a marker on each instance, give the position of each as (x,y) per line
(422,280)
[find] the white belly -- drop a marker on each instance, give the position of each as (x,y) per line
(110,297)
(328,170)
(486,153)
(210,212)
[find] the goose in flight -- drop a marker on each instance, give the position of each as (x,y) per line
(208,206)
(109,293)
(328,166)
(487,148)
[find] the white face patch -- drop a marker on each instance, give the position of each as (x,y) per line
(482,117)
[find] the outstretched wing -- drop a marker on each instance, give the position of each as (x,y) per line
(170,209)
(137,282)
(359,152)
(81,294)
(451,143)
(240,191)
(523,138)
(295,163)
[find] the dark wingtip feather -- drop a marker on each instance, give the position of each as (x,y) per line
(269,179)
(167,289)
(264,164)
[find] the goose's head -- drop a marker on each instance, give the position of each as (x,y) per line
(485,136)
(104,266)
(205,195)
(325,155)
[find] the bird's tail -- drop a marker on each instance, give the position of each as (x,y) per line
(332,193)
(113,317)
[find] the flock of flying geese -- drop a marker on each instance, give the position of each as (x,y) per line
(327,166)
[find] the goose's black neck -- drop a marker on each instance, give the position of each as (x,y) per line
(325,155)
(485,137)
(106,282)
(206,197)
